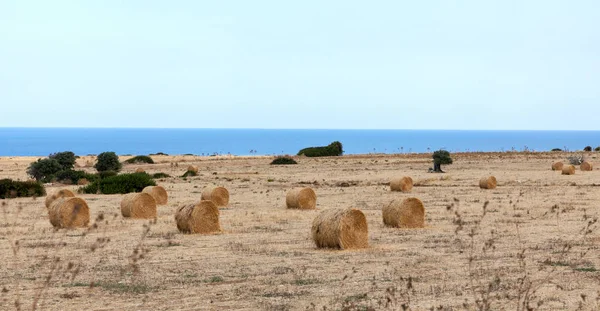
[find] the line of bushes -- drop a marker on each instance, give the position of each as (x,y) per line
(13,189)
(140,159)
(333,149)
(123,183)
(283,160)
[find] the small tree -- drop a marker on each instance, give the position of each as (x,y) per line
(587,148)
(108,161)
(65,158)
(44,169)
(441,157)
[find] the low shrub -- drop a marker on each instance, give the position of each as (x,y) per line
(12,189)
(283,160)
(333,149)
(123,183)
(106,174)
(108,161)
(597,148)
(72,176)
(160,175)
(587,148)
(140,159)
(189,173)
(556,149)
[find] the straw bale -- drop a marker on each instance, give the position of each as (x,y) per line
(158,193)
(138,205)
(407,213)
(301,198)
(63,193)
(69,212)
(202,217)
(340,228)
(219,195)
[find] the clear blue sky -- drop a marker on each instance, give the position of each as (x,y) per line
(302,64)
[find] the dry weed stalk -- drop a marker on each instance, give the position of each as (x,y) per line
(524,291)
(51,264)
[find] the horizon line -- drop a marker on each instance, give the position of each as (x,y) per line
(295,129)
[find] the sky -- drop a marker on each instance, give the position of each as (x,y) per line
(497,65)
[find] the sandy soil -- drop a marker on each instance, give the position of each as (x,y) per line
(535,242)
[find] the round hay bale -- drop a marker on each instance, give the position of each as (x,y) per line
(192,168)
(403,184)
(69,212)
(139,170)
(557,166)
(340,228)
(138,205)
(488,182)
(83,182)
(202,217)
(158,193)
(407,213)
(219,195)
(63,193)
(568,170)
(586,166)
(301,198)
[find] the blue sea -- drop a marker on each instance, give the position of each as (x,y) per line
(138,141)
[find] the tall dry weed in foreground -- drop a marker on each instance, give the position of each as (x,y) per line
(53,265)
(490,287)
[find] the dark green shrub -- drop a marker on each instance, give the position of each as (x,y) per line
(65,158)
(597,148)
(71,176)
(44,169)
(283,160)
(441,157)
(106,174)
(189,173)
(160,175)
(108,161)
(140,159)
(587,148)
(12,189)
(124,183)
(159,153)
(333,149)
(556,149)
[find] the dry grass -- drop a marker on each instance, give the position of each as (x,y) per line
(534,243)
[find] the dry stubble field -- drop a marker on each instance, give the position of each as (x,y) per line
(537,243)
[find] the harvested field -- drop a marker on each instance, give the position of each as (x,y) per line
(265,258)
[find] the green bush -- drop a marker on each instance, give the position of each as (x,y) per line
(108,161)
(283,160)
(597,148)
(106,174)
(65,158)
(71,176)
(556,149)
(587,148)
(44,169)
(12,189)
(124,183)
(333,149)
(189,173)
(160,175)
(140,159)
(441,157)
